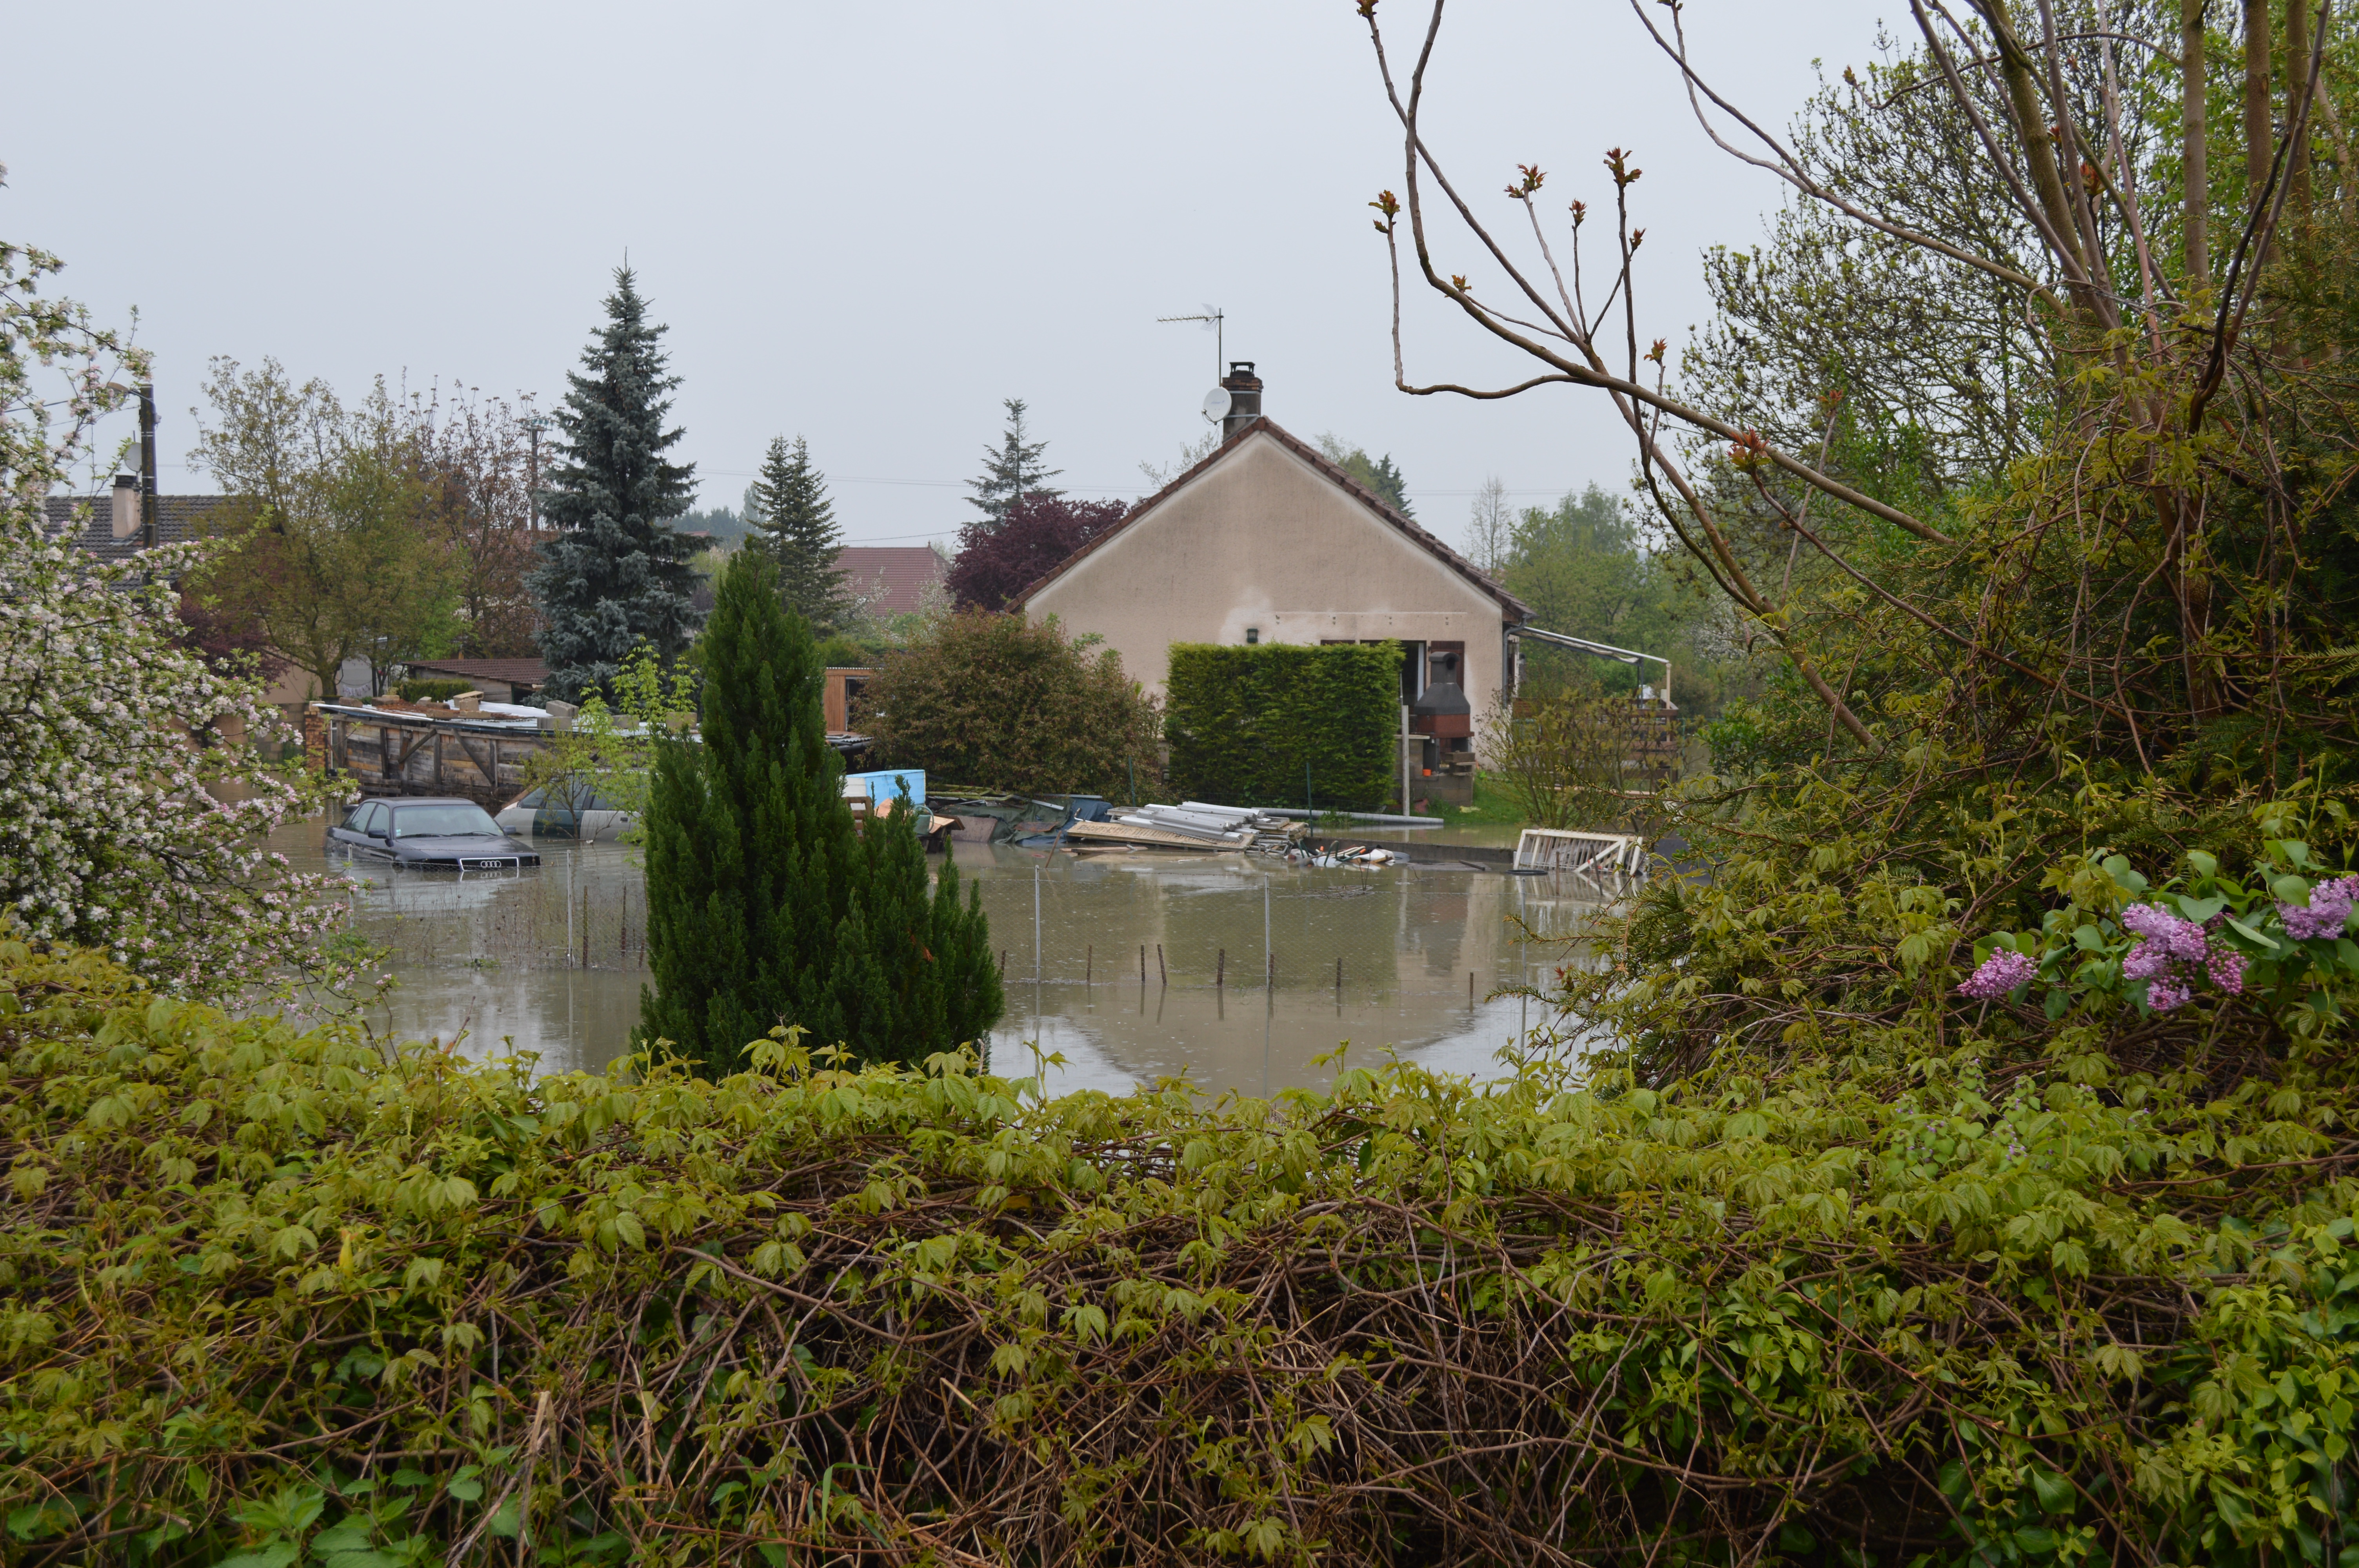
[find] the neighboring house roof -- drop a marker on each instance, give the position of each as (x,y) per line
(1511,608)
(510,672)
(177,520)
(892,579)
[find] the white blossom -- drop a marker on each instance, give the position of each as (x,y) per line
(127,821)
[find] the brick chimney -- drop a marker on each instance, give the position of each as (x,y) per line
(1243,388)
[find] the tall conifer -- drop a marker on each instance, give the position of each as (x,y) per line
(616,573)
(765,903)
(1011,471)
(792,518)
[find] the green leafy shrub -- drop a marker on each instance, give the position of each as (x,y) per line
(999,701)
(431,689)
(1248,725)
(1989,1292)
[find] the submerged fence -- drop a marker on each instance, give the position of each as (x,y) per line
(556,916)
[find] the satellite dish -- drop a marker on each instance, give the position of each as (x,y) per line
(1216,405)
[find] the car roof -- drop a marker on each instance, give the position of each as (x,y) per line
(416,800)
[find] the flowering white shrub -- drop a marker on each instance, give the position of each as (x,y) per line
(127,822)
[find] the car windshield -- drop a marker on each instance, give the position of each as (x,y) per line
(456,821)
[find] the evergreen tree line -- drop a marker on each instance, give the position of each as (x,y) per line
(618,573)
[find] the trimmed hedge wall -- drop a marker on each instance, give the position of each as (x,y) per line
(1244,723)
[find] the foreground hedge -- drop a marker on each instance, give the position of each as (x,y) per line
(272,1296)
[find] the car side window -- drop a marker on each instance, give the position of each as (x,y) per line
(373,819)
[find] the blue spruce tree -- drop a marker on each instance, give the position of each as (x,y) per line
(616,572)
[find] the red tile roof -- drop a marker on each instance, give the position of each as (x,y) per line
(899,574)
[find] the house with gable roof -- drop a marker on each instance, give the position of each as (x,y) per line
(1267,541)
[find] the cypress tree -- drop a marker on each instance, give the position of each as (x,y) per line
(794,520)
(913,973)
(616,573)
(1011,471)
(766,905)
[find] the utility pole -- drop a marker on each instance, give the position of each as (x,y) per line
(535,423)
(150,525)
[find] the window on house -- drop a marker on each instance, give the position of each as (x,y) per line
(1253,635)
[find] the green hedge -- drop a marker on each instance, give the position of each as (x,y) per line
(1245,723)
(273,1297)
(431,688)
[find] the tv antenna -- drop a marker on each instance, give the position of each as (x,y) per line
(1209,317)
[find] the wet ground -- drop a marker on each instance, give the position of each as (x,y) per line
(1236,971)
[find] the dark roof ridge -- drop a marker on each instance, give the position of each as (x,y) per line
(1517,608)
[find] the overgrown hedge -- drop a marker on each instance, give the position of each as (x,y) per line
(273,1293)
(1244,723)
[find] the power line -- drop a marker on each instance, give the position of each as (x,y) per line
(1130,485)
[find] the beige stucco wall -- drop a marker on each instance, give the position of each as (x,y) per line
(1263,539)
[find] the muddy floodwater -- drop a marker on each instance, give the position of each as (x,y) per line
(1235,971)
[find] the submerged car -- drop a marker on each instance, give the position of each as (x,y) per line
(428,832)
(559,813)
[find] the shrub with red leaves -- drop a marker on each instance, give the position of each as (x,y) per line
(994,564)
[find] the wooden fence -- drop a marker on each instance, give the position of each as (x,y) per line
(417,753)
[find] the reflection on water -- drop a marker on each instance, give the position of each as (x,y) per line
(1235,972)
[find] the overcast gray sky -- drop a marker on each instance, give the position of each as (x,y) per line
(869,223)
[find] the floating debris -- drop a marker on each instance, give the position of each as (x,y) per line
(1191,825)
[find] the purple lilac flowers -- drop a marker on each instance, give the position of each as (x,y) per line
(2167,938)
(2327,913)
(2000,973)
(2167,953)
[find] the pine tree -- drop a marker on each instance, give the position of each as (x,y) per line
(616,573)
(794,522)
(1011,471)
(765,903)
(1380,477)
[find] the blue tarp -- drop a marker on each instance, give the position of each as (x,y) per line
(887,784)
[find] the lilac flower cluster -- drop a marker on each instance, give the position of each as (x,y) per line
(2327,913)
(2167,948)
(2000,973)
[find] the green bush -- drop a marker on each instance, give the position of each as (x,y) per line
(278,1293)
(431,689)
(841,652)
(1248,726)
(997,701)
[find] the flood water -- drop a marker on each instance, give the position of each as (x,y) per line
(1235,972)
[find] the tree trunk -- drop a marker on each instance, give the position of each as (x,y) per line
(2196,218)
(2257,131)
(2296,77)
(2040,144)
